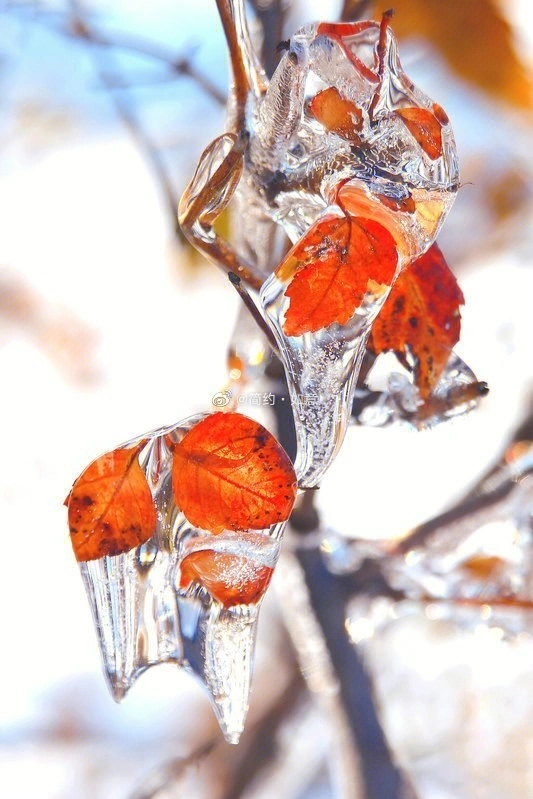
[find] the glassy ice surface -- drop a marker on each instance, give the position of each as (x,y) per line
(321,370)
(144,616)
(391,397)
(297,168)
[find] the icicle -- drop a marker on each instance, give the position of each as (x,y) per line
(321,370)
(185,595)
(135,615)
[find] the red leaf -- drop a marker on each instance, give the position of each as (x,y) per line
(110,507)
(339,31)
(232,579)
(337,114)
(335,263)
(425,127)
(230,473)
(421,312)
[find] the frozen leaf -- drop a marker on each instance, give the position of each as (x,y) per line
(426,129)
(422,313)
(337,114)
(336,262)
(232,579)
(110,507)
(186,596)
(230,473)
(341,33)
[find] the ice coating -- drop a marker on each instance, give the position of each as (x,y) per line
(387,167)
(396,399)
(294,163)
(152,605)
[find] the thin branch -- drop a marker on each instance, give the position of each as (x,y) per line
(173,770)
(382,55)
(477,502)
(240,79)
(328,595)
(513,602)
(305,518)
(236,282)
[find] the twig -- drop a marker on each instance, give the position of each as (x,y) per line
(240,79)
(172,770)
(328,595)
(476,502)
(236,282)
(305,518)
(382,55)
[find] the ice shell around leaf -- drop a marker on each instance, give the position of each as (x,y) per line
(321,369)
(110,507)
(230,473)
(385,134)
(144,616)
(402,174)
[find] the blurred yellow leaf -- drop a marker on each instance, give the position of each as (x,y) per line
(472,36)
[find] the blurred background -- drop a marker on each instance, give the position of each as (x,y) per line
(110,325)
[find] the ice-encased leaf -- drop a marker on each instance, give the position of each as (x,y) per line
(147,612)
(229,472)
(331,269)
(110,507)
(321,370)
(349,153)
(421,316)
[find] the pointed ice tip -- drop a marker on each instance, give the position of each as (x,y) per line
(117,688)
(232,738)
(229,655)
(230,716)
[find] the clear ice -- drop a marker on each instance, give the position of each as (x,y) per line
(398,402)
(296,170)
(287,172)
(142,615)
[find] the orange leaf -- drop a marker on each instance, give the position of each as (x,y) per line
(333,265)
(230,473)
(110,507)
(426,129)
(232,579)
(337,114)
(421,312)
